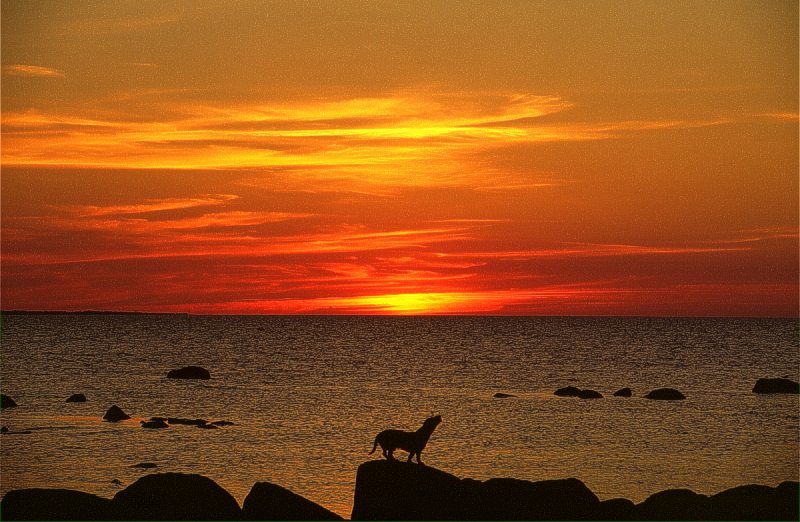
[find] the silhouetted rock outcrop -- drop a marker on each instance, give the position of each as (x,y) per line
(755,502)
(615,509)
(77,397)
(674,504)
(776,386)
(589,394)
(6,401)
(624,392)
(222,423)
(115,414)
(189,372)
(176,496)
(569,391)
(665,394)
(393,490)
(55,504)
(272,502)
(154,424)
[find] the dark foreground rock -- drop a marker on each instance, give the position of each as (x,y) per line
(568,391)
(776,386)
(154,424)
(589,394)
(189,372)
(623,392)
(115,414)
(6,401)
(55,504)
(187,422)
(394,490)
(665,394)
(272,502)
(176,496)
(501,395)
(76,397)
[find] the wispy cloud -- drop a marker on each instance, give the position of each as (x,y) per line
(33,71)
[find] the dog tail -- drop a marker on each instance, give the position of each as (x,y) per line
(374,446)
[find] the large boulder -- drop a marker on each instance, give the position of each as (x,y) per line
(176,496)
(623,392)
(665,394)
(6,401)
(674,504)
(189,372)
(55,504)
(268,501)
(76,397)
(755,502)
(394,490)
(776,386)
(115,414)
(568,391)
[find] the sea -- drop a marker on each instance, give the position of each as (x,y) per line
(308,394)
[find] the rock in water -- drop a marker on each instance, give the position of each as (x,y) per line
(176,496)
(569,391)
(776,386)
(115,414)
(624,392)
(189,372)
(589,394)
(674,504)
(77,397)
(500,395)
(665,394)
(187,422)
(55,504)
(272,502)
(6,401)
(154,424)
(394,490)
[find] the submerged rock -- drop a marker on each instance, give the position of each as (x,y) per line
(589,394)
(223,423)
(569,391)
(189,372)
(76,397)
(55,504)
(776,386)
(187,422)
(145,465)
(623,392)
(176,496)
(207,426)
(272,502)
(6,401)
(665,394)
(154,424)
(115,414)
(500,395)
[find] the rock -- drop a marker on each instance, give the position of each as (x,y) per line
(272,502)
(624,392)
(6,401)
(383,490)
(154,424)
(223,423)
(145,465)
(615,509)
(674,504)
(207,426)
(55,504)
(665,394)
(176,496)
(118,482)
(755,502)
(589,394)
(189,372)
(499,395)
(77,397)
(569,391)
(188,422)
(115,414)
(776,386)
(4,429)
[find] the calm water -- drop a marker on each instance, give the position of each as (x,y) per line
(308,395)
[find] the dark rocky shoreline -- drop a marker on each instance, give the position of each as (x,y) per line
(393,490)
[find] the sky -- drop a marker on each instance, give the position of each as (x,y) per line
(404,157)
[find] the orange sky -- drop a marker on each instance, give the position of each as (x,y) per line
(578,158)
